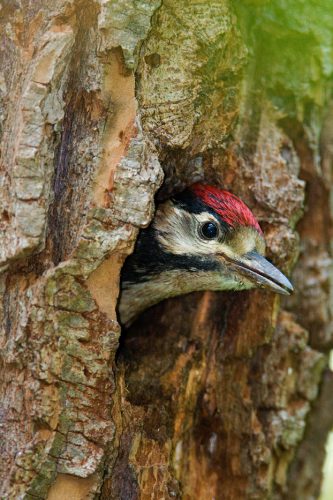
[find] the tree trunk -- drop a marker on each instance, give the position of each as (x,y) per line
(210,395)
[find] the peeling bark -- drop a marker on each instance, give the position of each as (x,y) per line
(211,395)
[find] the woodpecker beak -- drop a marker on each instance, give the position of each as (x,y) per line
(263,274)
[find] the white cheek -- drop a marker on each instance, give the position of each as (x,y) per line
(179,233)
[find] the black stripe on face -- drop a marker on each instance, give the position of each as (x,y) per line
(149,259)
(188,201)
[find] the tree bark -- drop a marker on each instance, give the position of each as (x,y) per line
(210,395)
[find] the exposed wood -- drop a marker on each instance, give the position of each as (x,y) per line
(211,395)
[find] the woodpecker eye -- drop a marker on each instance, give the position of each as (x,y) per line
(209,230)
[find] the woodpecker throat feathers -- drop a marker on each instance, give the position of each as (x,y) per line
(205,238)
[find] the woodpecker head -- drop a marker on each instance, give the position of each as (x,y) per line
(202,239)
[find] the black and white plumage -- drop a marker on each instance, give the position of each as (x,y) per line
(202,239)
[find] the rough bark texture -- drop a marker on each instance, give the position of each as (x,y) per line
(212,395)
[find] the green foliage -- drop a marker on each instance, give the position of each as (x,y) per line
(291,47)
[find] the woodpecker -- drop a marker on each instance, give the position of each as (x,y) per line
(204,238)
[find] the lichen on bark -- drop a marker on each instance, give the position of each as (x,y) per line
(210,395)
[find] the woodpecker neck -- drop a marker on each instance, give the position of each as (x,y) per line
(202,239)
(153,273)
(137,297)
